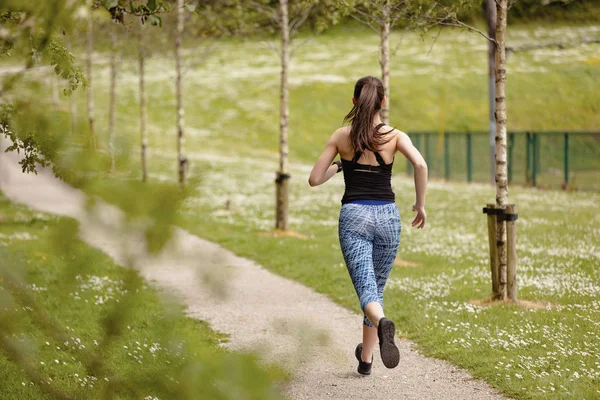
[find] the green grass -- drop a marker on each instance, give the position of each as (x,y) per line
(431,303)
(546,353)
(156,351)
(231,95)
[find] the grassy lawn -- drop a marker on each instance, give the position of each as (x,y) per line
(231,100)
(529,353)
(231,95)
(62,316)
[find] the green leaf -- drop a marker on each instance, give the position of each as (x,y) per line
(191,7)
(108,4)
(154,20)
(152,5)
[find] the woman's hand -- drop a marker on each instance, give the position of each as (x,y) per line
(419,220)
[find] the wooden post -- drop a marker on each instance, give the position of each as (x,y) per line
(528,159)
(511,249)
(566,159)
(447,157)
(469,158)
(493,254)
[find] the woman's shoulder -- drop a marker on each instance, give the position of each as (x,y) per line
(342,133)
(392,130)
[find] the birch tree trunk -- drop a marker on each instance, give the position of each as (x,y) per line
(281,215)
(491,21)
(72,101)
(501,121)
(384,59)
(112,109)
(55,97)
(73,114)
(90,92)
(181,160)
(143,108)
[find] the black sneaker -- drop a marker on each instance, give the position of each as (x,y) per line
(386,331)
(364,368)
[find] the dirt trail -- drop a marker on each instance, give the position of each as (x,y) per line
(261,310)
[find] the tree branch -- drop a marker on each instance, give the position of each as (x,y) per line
(434,41)
(271,46)
(365,22)
(297,22)
(393,53)
(265,10)
(302,43)
(459,24)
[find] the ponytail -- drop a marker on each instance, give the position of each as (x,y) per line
(368,95)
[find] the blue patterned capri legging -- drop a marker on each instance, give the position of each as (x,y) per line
(369,238)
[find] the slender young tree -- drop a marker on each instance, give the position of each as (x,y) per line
(280,16)
(501,123)
(384,59)
(89,71)
(491,23)
(181,159)
(288,17)
(282,175)
(112,107)
(72,100)
(143,107)
(381,16)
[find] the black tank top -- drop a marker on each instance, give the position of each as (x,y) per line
(367,182)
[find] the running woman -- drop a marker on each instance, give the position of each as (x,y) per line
(369,224)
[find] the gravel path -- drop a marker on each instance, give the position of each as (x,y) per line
(258,309)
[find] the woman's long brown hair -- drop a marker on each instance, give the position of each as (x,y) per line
(368,95)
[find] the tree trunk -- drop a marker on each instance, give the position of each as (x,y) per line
(73,115)
(112,110)
(90,92)
(54,83)
(281,216)
(143,108)
(72,101)
(501,121)
(491,21)
(181,160)
(384,60)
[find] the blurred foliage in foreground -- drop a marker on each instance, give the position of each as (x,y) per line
(73,324)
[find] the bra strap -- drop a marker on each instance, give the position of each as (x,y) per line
(379,158)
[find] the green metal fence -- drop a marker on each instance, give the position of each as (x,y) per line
(554,160)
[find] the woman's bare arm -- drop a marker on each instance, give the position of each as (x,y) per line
(404,145)
(323,170)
